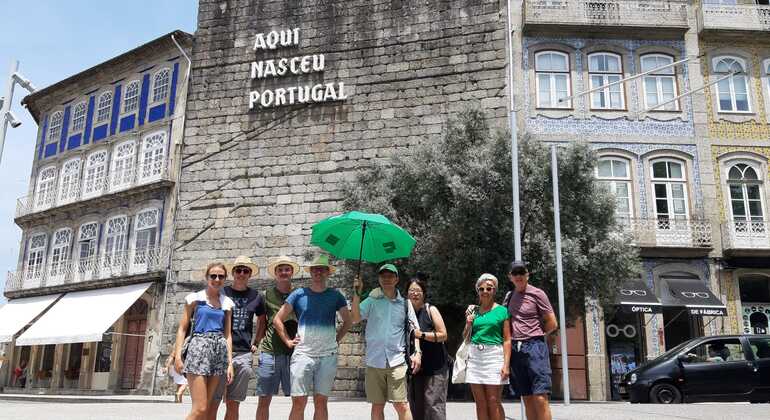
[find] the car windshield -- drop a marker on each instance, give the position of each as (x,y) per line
(673,352)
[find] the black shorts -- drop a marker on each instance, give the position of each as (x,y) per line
(530,368)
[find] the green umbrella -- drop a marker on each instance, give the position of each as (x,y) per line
(362,236)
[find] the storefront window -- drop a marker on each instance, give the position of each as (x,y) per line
(104,353)
(624,333)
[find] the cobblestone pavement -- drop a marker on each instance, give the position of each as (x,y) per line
(357,409)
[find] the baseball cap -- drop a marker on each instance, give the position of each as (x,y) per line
(388,267)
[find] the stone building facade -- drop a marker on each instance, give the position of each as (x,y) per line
(85,303)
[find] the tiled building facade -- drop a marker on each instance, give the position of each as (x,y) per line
(96,224)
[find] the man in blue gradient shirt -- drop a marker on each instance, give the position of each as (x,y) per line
(385,311)
(314,362)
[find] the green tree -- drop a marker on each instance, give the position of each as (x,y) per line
(454,196)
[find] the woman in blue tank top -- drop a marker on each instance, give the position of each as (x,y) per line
(209,350)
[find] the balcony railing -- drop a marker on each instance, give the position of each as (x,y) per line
(118,180)
(102,267)
(735,18)
(686,233)
(747,234)
(613,13)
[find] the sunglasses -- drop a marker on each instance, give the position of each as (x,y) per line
(217,276)
(242,270)
(486,289)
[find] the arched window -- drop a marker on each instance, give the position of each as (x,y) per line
(79,117)
(152,159)
(669,184)
(160,83)
(660,85)
(614,173)
(605,68)
(103,107)
(131,98)
(69,181)
(60,256)
(86,248)
(733,92)
(115,245)
(45,192)
(745,193)
(54,127)
(145,239)
(35,260)
(123,169)
(553,79)
(95,174)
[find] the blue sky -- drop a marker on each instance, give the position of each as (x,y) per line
(53,40)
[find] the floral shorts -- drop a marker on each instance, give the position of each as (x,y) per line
(206,355)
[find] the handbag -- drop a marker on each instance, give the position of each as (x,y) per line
(460,366)
(188,337)
(408,339)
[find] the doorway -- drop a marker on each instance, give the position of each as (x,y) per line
(679,326)
(133,345)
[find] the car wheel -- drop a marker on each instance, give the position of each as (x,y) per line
(665,393)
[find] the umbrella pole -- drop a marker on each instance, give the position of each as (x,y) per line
(361,250)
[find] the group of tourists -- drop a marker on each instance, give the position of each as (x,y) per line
(297,334)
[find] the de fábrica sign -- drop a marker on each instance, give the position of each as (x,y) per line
(293,65)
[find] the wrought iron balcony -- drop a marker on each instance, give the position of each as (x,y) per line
(618,15)
(670,233)
(65,194)
(746,236)
(737,18)
(90,270)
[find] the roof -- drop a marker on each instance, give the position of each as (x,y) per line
(36,102)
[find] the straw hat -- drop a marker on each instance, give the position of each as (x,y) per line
(321,261)
(282,260)
(244,261)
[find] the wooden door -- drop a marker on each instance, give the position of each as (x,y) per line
(133,347)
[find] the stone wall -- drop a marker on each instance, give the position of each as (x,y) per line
(254,182)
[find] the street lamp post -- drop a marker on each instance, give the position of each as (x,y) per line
(6,116)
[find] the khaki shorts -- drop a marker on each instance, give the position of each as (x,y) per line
(385,385)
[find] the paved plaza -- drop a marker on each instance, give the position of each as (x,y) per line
(141,409)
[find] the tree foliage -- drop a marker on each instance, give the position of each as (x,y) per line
(454,196)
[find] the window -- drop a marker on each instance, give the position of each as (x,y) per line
(553,79)
(54,127)
(36,257)
(45,193)
(145,239)
(160,84)
(69,181)
(152,160)
(717,351)
(115,244)
(86,249)
(79,117)
(103,107)
(95,174)
(745,193)
(104,352)
(605,68)
(614,174)
(732,92)
(660,85)
(123,169)
(669,185)
(60,255)
(760,347)
(131,100)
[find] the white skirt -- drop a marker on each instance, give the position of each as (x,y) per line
(484,365)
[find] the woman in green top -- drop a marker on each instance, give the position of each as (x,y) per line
(489,327)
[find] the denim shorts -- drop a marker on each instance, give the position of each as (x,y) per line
(273,370)
(312,375)
(530,367)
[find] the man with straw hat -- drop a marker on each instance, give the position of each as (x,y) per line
(248,304)
(274,355)
(314,362)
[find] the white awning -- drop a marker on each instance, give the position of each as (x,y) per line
(82,317)
(17,313)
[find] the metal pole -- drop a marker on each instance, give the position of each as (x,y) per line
(514,153)
(559,277)
(7,102)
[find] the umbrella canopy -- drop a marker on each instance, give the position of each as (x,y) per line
(342,237)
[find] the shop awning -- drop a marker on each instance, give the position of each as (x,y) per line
(17,313)
(635,296)
(81,317)
(694,295)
